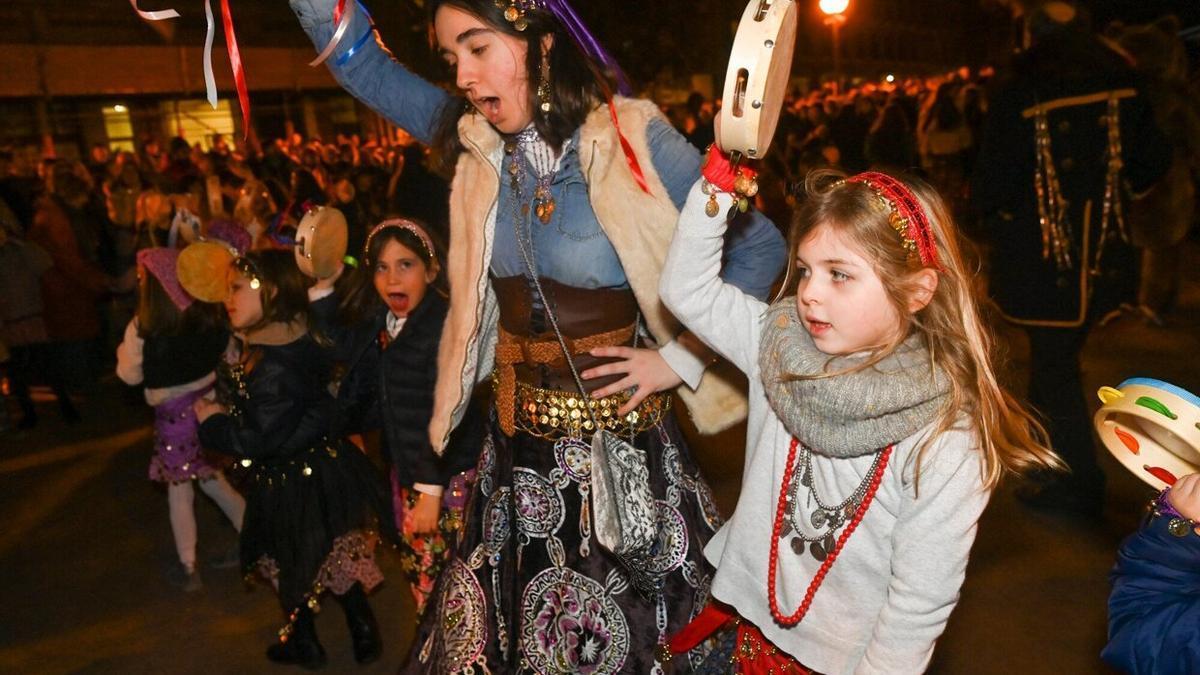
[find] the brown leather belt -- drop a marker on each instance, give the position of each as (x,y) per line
(512,350)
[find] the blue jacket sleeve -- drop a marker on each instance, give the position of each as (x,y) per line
(754,248)
(372,75)
(1154,609)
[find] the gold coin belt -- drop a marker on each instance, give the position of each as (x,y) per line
(551,414)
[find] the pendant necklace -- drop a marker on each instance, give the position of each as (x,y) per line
(545,165)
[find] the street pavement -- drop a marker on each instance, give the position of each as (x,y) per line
(85,542)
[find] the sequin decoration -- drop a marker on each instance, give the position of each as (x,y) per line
(461,617)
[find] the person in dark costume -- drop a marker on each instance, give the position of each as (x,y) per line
(315,502)
(1068,142)
(386,327)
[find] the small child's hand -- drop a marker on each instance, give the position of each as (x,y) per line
(1184,496)
(425,513)
(206,409)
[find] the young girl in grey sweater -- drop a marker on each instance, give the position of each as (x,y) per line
(877,427)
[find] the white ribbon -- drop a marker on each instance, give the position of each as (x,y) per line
(210,82)
(156,15)
(338,34)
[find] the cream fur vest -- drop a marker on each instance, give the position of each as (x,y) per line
(639,225)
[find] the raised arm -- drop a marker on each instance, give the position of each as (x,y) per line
(722,315)
(754,250)
(372,75)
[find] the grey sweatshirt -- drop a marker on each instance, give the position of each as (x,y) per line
(890,592)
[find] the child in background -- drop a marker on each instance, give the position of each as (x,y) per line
(387,333)
(172,348)
(313,500)
(875,411)
(1154,610)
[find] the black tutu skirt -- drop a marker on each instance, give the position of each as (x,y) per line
(314,518)
(529,590)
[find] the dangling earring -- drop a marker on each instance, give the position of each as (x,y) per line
(543,90)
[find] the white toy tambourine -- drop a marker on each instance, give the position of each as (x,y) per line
(1152,428)
(756,79)
(321,240)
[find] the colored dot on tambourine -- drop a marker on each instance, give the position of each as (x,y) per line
(760,65)
(1152,428)
(321,239)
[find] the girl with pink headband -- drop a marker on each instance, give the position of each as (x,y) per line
(387,327)
(877,428)
(172,348)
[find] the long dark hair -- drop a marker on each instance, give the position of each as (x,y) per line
(575,80)
(360,300)
(944,111)
(284,287)
(158,315)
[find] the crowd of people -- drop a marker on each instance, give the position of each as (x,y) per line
(175,264)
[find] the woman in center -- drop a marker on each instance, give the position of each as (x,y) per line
(563,204)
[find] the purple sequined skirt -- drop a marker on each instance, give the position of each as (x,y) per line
(178,456)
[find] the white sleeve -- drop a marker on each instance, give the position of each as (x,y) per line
(688,366)
(720,314)
(930,545)
(129,355)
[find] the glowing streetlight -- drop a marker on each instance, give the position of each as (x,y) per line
(831,7)
(835,16)
(119,108)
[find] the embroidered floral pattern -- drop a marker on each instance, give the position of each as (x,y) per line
(571,625)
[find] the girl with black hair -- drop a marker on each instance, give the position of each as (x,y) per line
(313,501)
(563,203)
(386,326)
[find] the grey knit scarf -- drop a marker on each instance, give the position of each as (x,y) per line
(852,414)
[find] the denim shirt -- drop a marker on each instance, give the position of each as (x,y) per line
(571,248)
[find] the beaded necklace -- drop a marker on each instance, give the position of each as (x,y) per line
(874,477)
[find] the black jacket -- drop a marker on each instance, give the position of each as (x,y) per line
(1027,286)
(392,388)
(287,408)
(172,360)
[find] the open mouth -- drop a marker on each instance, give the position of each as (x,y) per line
(489,106)
(397,302)
(817,327)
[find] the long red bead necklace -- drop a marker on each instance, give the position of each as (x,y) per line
(780,512)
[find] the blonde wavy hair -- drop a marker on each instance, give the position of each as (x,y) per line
(960,342)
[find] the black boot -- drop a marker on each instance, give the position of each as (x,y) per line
(301,648)
(364,630)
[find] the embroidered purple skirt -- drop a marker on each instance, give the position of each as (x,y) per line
(178,456)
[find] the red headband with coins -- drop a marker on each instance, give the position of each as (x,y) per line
(907,215)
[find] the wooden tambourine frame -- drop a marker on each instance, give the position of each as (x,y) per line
(1152,428)
(760,65)
(321,239)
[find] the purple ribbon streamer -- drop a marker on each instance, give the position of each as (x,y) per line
(591,47)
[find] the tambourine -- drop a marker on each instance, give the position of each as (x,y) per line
(1152,428)
(321,239)
(756,79)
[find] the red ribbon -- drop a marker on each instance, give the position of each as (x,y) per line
(630,158)
(239,71)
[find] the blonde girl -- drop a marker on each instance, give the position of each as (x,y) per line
(877,426)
